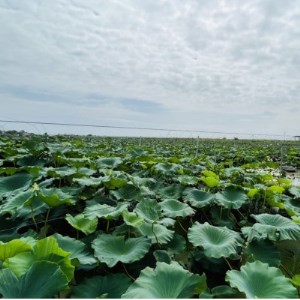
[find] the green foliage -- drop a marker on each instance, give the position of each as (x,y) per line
(123,217)
(258,280)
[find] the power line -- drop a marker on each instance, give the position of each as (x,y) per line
(140,128)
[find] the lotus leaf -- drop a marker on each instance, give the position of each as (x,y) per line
(109,162)
(11,185)
(216,241)
(78,250)
(81,223)
(232,198)
(198,198)
(42,280)
(112,249)
(132,219)
(174,208)
(166,281)
(272,227)
(158,233)
(110,286)
(148,209)
(104,211)
(45,249)
(259,280)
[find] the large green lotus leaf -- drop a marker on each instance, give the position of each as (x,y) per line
(272,227)
(174,208)
(112,249)
(11,185)
(216,241)
(176,245)
(132,219)
(109,162)
(162,256)
(264,251)
(82,223)
(91,181)
(148,209)
(42,280)
(105,211)
(14,205)
(259,280)
(61,172)
(12,248)
(156,232)
(53,197)
(210,181)
(295,191)
(232,198)
(198,198)
(45,249)
(166,281)
(167,168)
(128,192)
(187,180)
(114,181)
(291,204)
(170,192)
(110,286)
(78,249)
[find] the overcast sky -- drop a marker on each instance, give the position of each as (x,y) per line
(211,65)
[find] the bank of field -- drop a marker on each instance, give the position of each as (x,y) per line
(89,217)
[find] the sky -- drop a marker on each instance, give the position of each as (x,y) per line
(209,65)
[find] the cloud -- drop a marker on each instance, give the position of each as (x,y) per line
(226,59)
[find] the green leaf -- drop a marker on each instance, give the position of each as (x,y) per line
(166,281)
(12,248)
(272,227)
(81,223)
(110,286)
(128,192)
(170,192)
(198,198)
(210,181)
(54,197)
(258,280)
(148,209)
(11,185)
(132,219)
(295,191)
(42,280)
(156,232)
(104,211)
(216,241)
(45,249)
(264,251)
(113,249)
(174,208)
(77,248)
(109,162)
(232,198)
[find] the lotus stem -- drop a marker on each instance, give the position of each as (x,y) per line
(107,225)
(128,273)
(155,235)
(229,265)
(33,218)
(181,226)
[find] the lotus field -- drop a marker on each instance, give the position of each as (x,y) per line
(99,217)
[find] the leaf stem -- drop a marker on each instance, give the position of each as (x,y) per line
(229,265)
(127,272)
(181,226)
(33,218)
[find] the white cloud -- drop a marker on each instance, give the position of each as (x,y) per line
(228,59)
